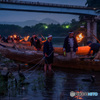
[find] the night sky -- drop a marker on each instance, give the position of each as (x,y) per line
(23,16)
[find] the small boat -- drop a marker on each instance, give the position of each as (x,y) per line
(27,54)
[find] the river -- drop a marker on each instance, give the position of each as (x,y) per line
(54,86)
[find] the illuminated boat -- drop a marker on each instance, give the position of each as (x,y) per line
(30,56)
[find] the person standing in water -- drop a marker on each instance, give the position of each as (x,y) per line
(48,52)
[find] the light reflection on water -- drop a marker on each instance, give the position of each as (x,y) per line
(54,86)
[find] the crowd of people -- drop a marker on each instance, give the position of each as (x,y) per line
(11,38)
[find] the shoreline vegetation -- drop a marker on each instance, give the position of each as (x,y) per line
(40,28)
(57,30)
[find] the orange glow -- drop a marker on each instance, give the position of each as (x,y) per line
(78,97)
(83,50)
(11,36)
(26,38)
(15,36)
(79,37)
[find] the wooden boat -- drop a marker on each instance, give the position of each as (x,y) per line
(83,50)
(28,55)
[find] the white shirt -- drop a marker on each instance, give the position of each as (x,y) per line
(71,42)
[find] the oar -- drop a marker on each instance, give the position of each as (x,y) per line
(95,37)
(43,37)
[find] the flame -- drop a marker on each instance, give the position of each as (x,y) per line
(26,38)
(79,37)
(11,36)
(15,36)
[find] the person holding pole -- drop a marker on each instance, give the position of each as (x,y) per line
(48,52)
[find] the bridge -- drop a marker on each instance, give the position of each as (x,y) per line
(56,8)
(47,7)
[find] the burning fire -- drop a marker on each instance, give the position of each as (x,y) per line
(25,38)
(15,36)
(79,37)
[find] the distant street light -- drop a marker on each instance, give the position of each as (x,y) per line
(45,26)
(66,26)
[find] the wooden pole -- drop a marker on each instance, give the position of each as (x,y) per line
(96,38)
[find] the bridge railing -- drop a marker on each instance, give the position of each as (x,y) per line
(45,4)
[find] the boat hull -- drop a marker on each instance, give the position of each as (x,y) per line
(82,50)
(34,57)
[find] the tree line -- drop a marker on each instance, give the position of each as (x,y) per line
(41,28)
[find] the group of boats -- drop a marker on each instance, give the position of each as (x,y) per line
(25,53)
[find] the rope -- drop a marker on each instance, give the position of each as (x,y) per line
(34,65)
(34,60)
(34,70)
(37,66)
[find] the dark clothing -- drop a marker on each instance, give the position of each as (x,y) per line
(49,60)
(35,43)
(67,44)
(95,47)
(32,41)
(48,49)
(12,39)
(4,39)
(38,44)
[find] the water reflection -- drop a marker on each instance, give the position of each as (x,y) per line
(52,86)
(49,86)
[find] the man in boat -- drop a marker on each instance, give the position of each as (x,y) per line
(93,46)
(48,53)
(35,42)
(32,39)
(70,45)
(38,44)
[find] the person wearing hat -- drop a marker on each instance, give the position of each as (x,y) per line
(93,46)
(48,53)
(32,40)
(70,45)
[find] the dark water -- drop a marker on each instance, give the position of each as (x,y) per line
(58,41)
(53,86)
